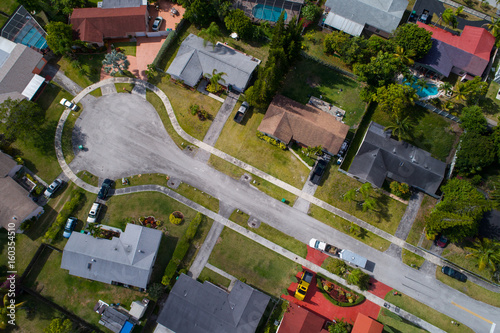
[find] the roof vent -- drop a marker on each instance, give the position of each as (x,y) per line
(401,164)
(185,293)
(426,166)
(128,248)
(140,251)
(394,150)
(414,160)
(89,266)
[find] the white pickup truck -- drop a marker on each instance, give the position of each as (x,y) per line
(349,256)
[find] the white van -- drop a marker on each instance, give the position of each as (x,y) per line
(94,212)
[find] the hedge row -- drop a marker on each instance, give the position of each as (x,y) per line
(65,212)
(181,249)
(272,141)
(167,43)
(360,299)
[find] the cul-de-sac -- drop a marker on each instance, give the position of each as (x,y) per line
(241,166)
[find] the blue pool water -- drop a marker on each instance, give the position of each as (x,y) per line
(265,12)
(29,36)
(431,90)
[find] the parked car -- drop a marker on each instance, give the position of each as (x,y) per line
(94,212)
(68,104)
(442,241)
(70,226)
(303,285)
(318,171)
(342,151)
(425,17)
(454,273)
(56,184)
(157,23)
(103,192)
(240,114)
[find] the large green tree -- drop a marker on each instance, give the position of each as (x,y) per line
(473,89)
(211,34)
(395,99)
(335,42)
(66,6)
(473,120)
(237,21)
(410,36)
(59,37)
(401,128)
(200,12)
(486,252)
(459,213)
(311,12)
(381,70)
(20,119)
(475,153)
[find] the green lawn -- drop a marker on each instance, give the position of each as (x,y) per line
(457,255)
(426,313)
(240,141)
(144,179)
(491,105)
(198,196)
(412,259)
(310,78)
(8,7)
(313,42)
(344,226)
(419,224)
(40,156)
(271,234)
(90,68)
(75,294)
(431,132)
(67,137)
(394,323)
(128,48)
(181,99)
(88,178)
(263,269)
(209,275)
(470,289)
(387,214)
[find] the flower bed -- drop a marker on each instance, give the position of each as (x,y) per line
(337,293)
(150,222)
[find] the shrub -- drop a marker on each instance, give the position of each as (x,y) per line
(176,217)
(156,290)
(194,109)
(359,300)
(181,249)
(402,190)
(336,266)
(76,196)
(272,141)
(359,278)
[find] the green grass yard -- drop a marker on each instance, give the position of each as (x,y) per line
(240,141)
(394,323)
(310,78)
(457,255)
(387,214)
(313,43)
(128,48)
(419,224)
(209,275)
(260,267)
(91,65)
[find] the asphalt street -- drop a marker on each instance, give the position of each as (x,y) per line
(124,136)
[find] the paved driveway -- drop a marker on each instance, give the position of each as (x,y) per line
(125,136)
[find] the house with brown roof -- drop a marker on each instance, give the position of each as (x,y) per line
(299,320)
(15,204)
(94,25)
(289,121)
(365,324)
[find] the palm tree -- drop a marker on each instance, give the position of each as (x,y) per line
(369,204)
(401,128)
(460,92)
(459,11)
(215,78)
(494,27)
(350,195)
(422,84)
(365,190)
(447,88)
(405,55)
(211,34)
(486,252)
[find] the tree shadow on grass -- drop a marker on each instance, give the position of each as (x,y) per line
(382,210)
(165,252)
(32,275)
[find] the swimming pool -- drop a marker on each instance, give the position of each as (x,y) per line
(431,89)
(265,12)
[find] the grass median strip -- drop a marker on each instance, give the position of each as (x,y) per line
(272,234)
(425,313)
(253,263)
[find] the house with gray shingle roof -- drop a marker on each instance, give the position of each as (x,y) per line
(19,69)
(194,307)
(194,59)
(380,157)
(127,259)
(376,16)
(15,204)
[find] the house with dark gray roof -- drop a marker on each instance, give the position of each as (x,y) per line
(194,59)
(194,307)
(127,259)
(15,204)
(19,69)
(375,16)
(380,157)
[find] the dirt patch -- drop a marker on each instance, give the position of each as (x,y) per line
(313,81)
(457,131)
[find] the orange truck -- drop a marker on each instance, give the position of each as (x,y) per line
(304,283)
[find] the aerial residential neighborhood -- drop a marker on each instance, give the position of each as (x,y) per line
(285,166)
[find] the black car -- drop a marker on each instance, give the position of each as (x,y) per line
(454,274)
(318,171)
(103,192)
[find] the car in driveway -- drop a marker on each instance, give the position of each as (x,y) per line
(303,285)
(454,273)
(56,184)
(64,102)
(94,212)
(105,187)
(442,241)
(318,171)
(157,23)
(69,227)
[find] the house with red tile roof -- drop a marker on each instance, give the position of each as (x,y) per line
(94,25)
(289,121)
(466,55)
(299,320)
(365,324)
